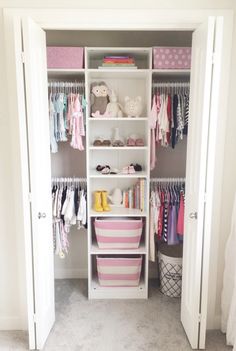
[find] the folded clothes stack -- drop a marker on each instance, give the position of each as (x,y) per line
(118,62)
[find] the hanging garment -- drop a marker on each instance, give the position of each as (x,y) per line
(180,222)
(186,113)
(154,214)
(228,298)
(174,124)
(172,226)
(168,120)
(166,214)
(66,117)
(77,124)
(152,125)
(67,203)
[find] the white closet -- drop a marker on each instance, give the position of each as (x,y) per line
(139,83)
(125,82)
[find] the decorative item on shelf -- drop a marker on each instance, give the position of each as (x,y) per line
(121,61)
(99,98)
(128,170)
(100,201)
(114,109)
(116,197)
(133,106)
(135,196)
(101,142)
(134,140)
(106,169)
(117,140)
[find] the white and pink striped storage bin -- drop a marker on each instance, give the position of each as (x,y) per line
(171,57)
(65,57)
(116,271)
(118,233)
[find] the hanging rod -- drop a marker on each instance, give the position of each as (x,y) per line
(167,180)
(65,84)
(171,84)
(68,180)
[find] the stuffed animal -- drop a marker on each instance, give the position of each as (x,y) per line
(133,107)
(113,107)
(99,98)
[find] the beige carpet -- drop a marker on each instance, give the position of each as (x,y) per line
(113,325)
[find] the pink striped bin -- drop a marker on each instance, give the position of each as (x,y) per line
(64,57)
(116,271)
(118,233)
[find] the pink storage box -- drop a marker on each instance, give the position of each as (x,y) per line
(118,233)
(116,271)
(172,57)
(64,57)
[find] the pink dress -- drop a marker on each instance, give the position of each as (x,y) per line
(180,222)
(152,124)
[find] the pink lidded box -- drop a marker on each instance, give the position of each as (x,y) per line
(171,57)
(64,57)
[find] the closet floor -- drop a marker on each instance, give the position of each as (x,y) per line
(117,325)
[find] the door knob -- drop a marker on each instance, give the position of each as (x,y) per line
(41,215)
(193,215)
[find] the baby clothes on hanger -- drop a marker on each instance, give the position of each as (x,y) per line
(166,214)
(67,202)
(66,116)
(168,118)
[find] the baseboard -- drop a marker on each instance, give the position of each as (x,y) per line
(71,273)
(215,323)
(11,323)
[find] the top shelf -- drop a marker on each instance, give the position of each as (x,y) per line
(94,56)
(65,72)
(170,73)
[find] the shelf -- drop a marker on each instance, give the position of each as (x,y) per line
(96,174)
(118,73)
(123,119)
(103,292)
(123,148)
(171,72)
(119,212)
(56,72)
(96,251)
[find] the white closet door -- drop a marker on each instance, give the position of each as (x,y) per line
(34,43)
(200,101)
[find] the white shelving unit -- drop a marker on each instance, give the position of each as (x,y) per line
(131,82)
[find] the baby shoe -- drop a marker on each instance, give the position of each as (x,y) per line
(139,142)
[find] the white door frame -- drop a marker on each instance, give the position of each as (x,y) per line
(125,19)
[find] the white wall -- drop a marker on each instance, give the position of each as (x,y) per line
(12,314)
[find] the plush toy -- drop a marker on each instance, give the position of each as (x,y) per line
(99,98)
(133,107)
(113,107)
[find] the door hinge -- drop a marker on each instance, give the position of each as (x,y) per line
(34,318)
(213,58)
(199,318)
(30,197)
(23,57)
